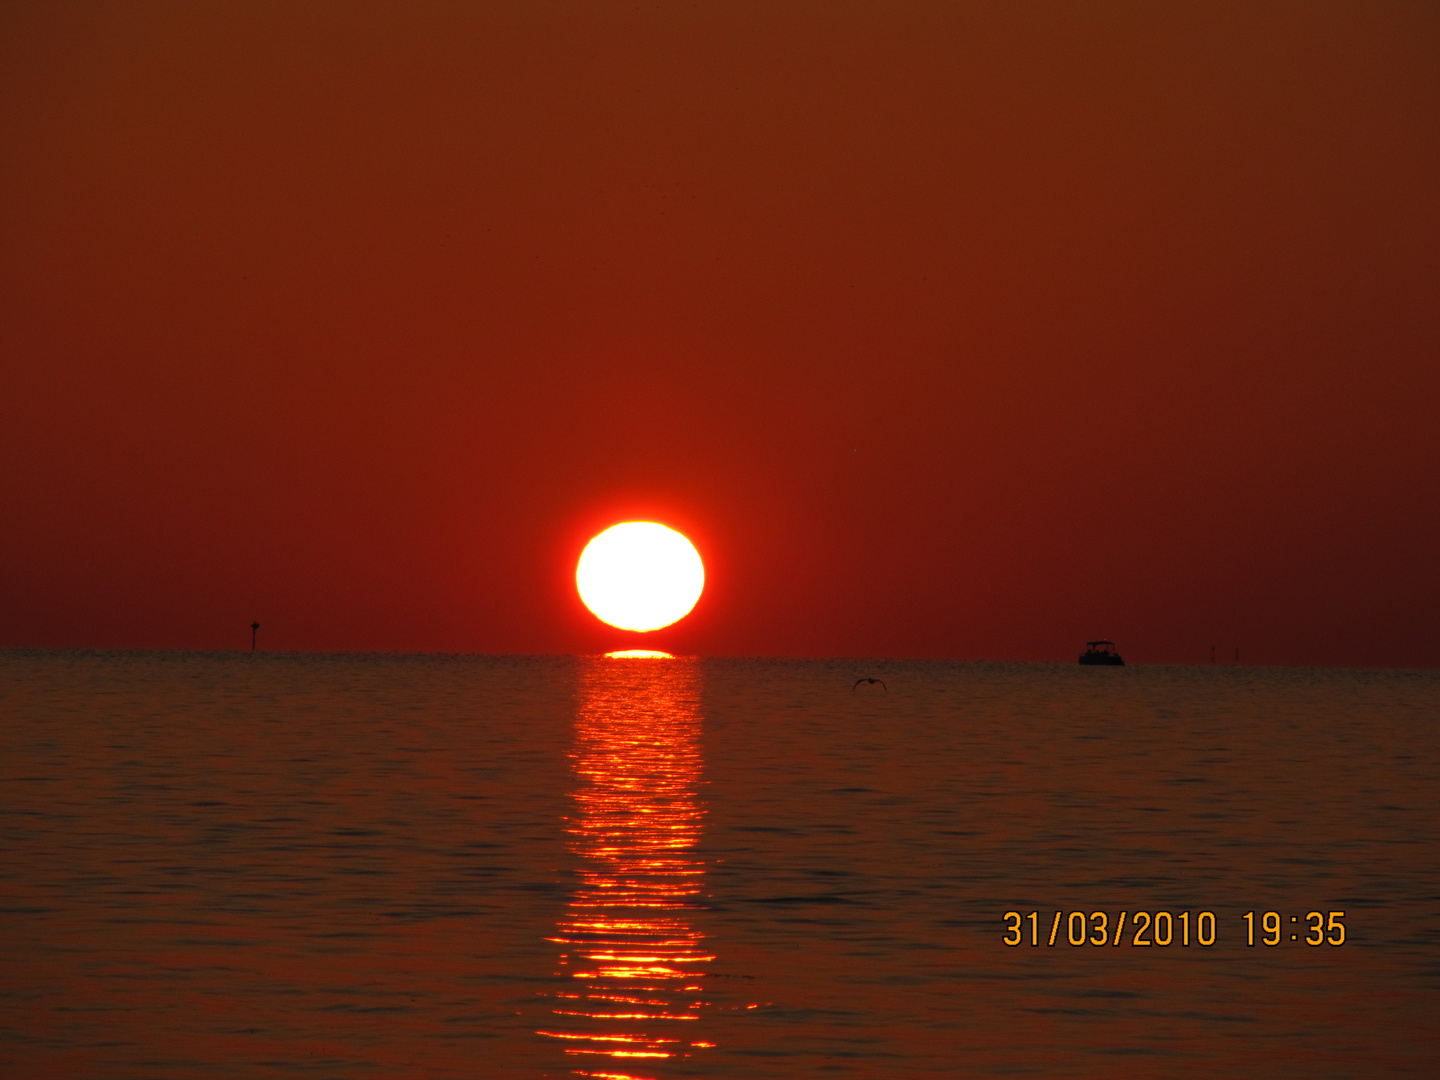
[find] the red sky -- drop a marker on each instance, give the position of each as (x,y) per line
(945,330)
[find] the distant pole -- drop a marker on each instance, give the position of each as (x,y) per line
(254,629)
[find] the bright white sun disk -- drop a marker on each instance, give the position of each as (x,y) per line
(640,576)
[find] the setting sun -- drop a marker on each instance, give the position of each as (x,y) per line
(640,576)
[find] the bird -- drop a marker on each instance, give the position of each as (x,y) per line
(872,682)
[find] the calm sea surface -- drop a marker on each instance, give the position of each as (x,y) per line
(361,866)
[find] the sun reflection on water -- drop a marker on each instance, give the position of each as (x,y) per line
(635,962)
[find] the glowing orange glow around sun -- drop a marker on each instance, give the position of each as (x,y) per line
(640,575)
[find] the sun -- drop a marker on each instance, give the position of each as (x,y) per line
(640,575)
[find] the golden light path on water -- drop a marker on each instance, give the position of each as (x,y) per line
(634,959)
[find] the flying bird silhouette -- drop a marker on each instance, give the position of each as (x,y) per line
(872,682)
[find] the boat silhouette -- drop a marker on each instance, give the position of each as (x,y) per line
(1101,652)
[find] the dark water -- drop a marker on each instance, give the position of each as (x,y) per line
(253,866)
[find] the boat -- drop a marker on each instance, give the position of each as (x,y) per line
(1101,652)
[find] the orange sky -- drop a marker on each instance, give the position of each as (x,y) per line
(945,330)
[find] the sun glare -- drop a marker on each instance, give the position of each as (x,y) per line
(640,576)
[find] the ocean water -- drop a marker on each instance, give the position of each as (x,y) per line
(255,865)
